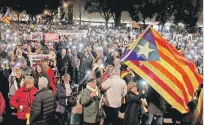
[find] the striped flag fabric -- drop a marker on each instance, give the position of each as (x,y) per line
(159,63)
(7,17)
(135,25)
(198,114)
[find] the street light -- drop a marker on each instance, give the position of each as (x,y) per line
(65,5)
(46,12)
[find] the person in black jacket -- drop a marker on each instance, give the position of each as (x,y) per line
(43,108)
(133,102)
(66,91)
(62,61)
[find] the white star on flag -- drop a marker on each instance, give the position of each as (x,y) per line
(145,50)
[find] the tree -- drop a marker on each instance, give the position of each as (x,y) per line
(100,6)
(117,7)
(52,6)
(140,10)
(187,12)
(165,10)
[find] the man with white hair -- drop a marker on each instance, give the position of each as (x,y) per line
(43,108)
(115,89)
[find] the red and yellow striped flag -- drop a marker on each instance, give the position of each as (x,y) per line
(155,60)
(135,25)
(198,114)
(6,18)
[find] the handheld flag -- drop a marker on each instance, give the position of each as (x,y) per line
(6,18)
(159,63)
(135,25)
(198,114)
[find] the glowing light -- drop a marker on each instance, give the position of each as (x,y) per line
(14,44)
(18,64)
(80,45)
(65,5)
(46,12)
(88,72)
(74,47)
(7,31)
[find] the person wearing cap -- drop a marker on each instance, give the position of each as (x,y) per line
(90,98)
(43,107)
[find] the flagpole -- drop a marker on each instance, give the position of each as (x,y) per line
(137,40)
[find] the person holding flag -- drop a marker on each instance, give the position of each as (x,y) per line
(170,74)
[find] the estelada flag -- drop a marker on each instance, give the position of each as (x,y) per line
(7,17)
(135,25)
(159,63)
(198,114)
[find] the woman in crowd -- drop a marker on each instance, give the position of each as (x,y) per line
(98,65)
(50,75)
(16,81)
(23,99)
(65,90)
(133,109)
(90,98)
(19,56)
(38,73)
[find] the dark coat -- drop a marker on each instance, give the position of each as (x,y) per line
(129,78)
(90,106)
(61,62)
(86,64)
(133,109)
(157,105)
(61,93)
(43,108)
(109,60)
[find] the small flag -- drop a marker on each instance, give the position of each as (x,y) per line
(159,63)
(135,25)
(6,18)
(198,114)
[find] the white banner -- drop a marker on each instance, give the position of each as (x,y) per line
(38,36)
(73,33)
(35,59)
(177,37)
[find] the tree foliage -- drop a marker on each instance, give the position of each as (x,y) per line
(185,11)
(100,6)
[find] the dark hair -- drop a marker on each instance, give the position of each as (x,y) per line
(43,73)
(91,80)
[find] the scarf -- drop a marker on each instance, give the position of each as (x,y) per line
(68,89)
(18,83)
(92,90)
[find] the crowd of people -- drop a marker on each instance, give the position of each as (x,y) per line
(82,72)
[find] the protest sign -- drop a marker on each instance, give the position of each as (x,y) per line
(38,36)
(73,33)
(177,37)
(35,59)
(51,37)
